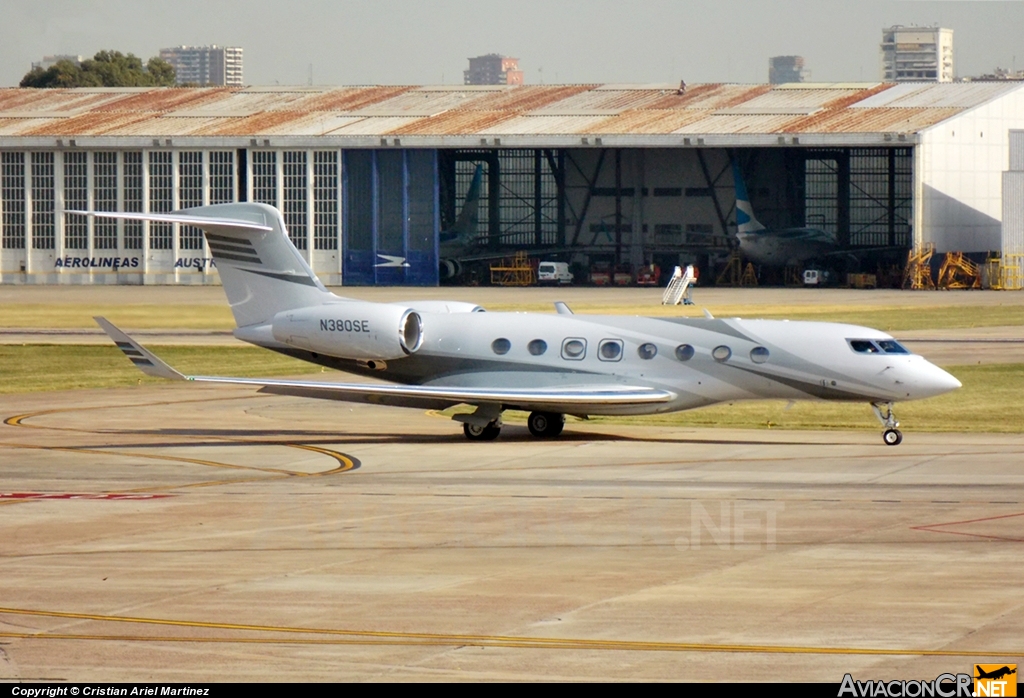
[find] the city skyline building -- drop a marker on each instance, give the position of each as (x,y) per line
(205,65)
(917,54)
(49,61)
(783,69)
(493,69)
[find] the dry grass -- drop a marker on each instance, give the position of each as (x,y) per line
(38,368)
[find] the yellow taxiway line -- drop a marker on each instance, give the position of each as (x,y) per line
(379,637)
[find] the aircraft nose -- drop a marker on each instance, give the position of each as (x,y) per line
(932,380)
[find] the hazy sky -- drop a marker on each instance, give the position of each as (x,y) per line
(557,41)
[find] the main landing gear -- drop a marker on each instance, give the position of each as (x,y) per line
(485,424)
(891,436)
(545,425)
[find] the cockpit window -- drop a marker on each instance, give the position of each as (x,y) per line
(891,346)
(863,346)
(877,346)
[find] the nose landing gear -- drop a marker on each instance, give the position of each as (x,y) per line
(891,436)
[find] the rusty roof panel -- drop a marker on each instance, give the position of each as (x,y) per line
(776,100)
(167,126)
(601,101)
(53,100)
(164,100)
(454,123)
(542,125)
(737,123)
(646,121)
(348,98)
(524,98)
(278,123)
(373,126)
(90,123)
(417,103)
(871,120)
(709,96)
(248,102)
(18,127)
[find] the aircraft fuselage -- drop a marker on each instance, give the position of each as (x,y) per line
(700,361)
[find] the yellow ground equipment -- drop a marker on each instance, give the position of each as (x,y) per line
(517,271)
(793,276)
(918,273)
(1005,273)
(862,281)
(958,271)
(733,272)
(749,276)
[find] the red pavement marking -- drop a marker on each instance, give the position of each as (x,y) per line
(939,528)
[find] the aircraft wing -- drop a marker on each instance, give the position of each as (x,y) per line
(566,399)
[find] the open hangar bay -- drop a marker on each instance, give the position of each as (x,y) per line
(615,174)
(169,532)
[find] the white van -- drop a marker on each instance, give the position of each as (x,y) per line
(554,273)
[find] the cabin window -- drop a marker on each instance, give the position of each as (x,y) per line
(610,350)
(574,349)
(721,353)
(501,346)
(647,351)
(759,355)
(891,346)
(684,352)
(537,347)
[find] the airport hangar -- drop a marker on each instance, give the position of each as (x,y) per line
(619,173)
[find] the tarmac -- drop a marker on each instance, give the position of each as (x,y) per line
(209,533)
(182,533)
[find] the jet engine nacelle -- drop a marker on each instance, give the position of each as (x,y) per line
(351,330)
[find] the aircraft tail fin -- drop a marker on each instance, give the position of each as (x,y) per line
(466,225)
(260,269)
(746,222)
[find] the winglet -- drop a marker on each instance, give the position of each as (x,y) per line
(145,360)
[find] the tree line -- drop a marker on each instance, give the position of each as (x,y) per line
(105,69)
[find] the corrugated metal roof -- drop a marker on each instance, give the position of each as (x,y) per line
(960,95)
(469,111)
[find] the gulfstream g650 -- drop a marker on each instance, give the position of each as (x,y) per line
(438,354)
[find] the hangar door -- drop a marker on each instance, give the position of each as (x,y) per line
(391,221)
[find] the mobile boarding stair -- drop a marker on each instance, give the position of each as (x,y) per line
(678,289)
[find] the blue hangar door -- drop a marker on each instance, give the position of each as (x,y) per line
(391,218)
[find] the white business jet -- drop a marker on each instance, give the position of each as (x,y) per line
(438,354)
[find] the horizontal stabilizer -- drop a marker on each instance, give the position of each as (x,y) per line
(147,362)
(200,221)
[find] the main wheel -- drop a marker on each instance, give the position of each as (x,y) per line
(478,433)
(545,425)
(892,437)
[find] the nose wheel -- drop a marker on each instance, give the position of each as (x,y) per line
(891,436)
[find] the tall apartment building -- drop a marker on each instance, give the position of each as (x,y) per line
(493,69)
(783,69)
(206,65)
(917,54)
(50,61)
